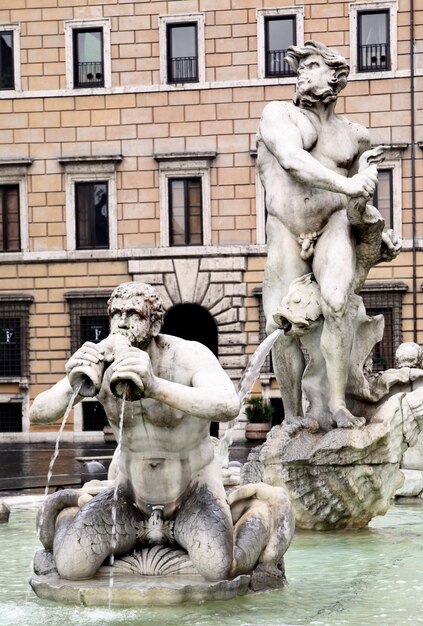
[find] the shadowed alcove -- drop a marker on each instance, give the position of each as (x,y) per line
(194,323)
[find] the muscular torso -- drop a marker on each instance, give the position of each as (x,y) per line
(300,208)
(162,448)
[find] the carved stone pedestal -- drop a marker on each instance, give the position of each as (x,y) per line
(137,591)
(345,477)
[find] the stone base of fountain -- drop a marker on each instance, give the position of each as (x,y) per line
(133,591)
(347,476)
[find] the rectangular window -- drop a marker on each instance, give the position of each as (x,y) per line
(280,33)
(389,303)
(14,336)
(373,41)
(182,53)
(10,417)
(383,196)
(92,215)
(7,77)
(9,219)
(185,212)
(88,62)
(10,346)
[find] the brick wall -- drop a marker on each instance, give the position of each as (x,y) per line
(137,117)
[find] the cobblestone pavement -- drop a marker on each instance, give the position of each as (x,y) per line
(24,466)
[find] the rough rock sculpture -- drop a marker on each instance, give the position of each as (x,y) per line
(343,478)
(169,489)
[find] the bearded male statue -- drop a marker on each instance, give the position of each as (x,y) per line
(168,483)
(319,174)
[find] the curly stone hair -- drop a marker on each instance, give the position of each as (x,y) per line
(140,290)
(295,54)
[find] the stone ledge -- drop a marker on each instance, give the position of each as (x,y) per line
(131,591)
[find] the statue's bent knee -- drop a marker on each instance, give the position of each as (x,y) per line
(334,304)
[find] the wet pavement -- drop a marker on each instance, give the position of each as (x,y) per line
(24,466)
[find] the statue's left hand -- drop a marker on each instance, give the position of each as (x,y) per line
(134,365)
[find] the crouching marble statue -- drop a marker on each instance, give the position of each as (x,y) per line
(339,450)
(169,492)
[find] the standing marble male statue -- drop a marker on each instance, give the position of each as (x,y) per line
(167,472)
(309,164)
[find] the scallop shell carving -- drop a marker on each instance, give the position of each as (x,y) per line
(155,561)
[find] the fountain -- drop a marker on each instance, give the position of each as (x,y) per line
(166,530)
(166,533)
(368,576)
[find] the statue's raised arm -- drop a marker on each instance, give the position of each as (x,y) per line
(318,175)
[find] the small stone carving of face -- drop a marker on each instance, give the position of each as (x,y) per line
(314,81)
(131,318)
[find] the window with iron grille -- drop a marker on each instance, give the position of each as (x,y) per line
(10,240)
(185,212)
(387,301)
(182,53)
(14,336)
(383,196)
(373,46)
(7,72)
(92,215)
(88,62)
(280,33)
(93,416)
(10,417)
(89,318)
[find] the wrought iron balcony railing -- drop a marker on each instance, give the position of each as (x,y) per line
(89,74)
(276,64)
(183,70)
(373,57)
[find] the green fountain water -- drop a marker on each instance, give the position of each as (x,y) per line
(372,577)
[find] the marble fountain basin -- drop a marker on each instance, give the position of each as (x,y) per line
(355,577)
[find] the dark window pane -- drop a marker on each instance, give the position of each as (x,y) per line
(10,417)
(373,41)
(10,347)
(93,416)
(195,217)
(178,212)
(93,328)
(383,197)
(7,74)
(88,58)
(182,53)
(279,35)
(9,218)
(92,221)
(185,200)
(383,352)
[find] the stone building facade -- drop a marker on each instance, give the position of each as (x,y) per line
(127,152)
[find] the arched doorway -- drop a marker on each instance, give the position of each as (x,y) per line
(194,323)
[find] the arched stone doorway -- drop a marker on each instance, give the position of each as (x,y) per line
(194,323)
